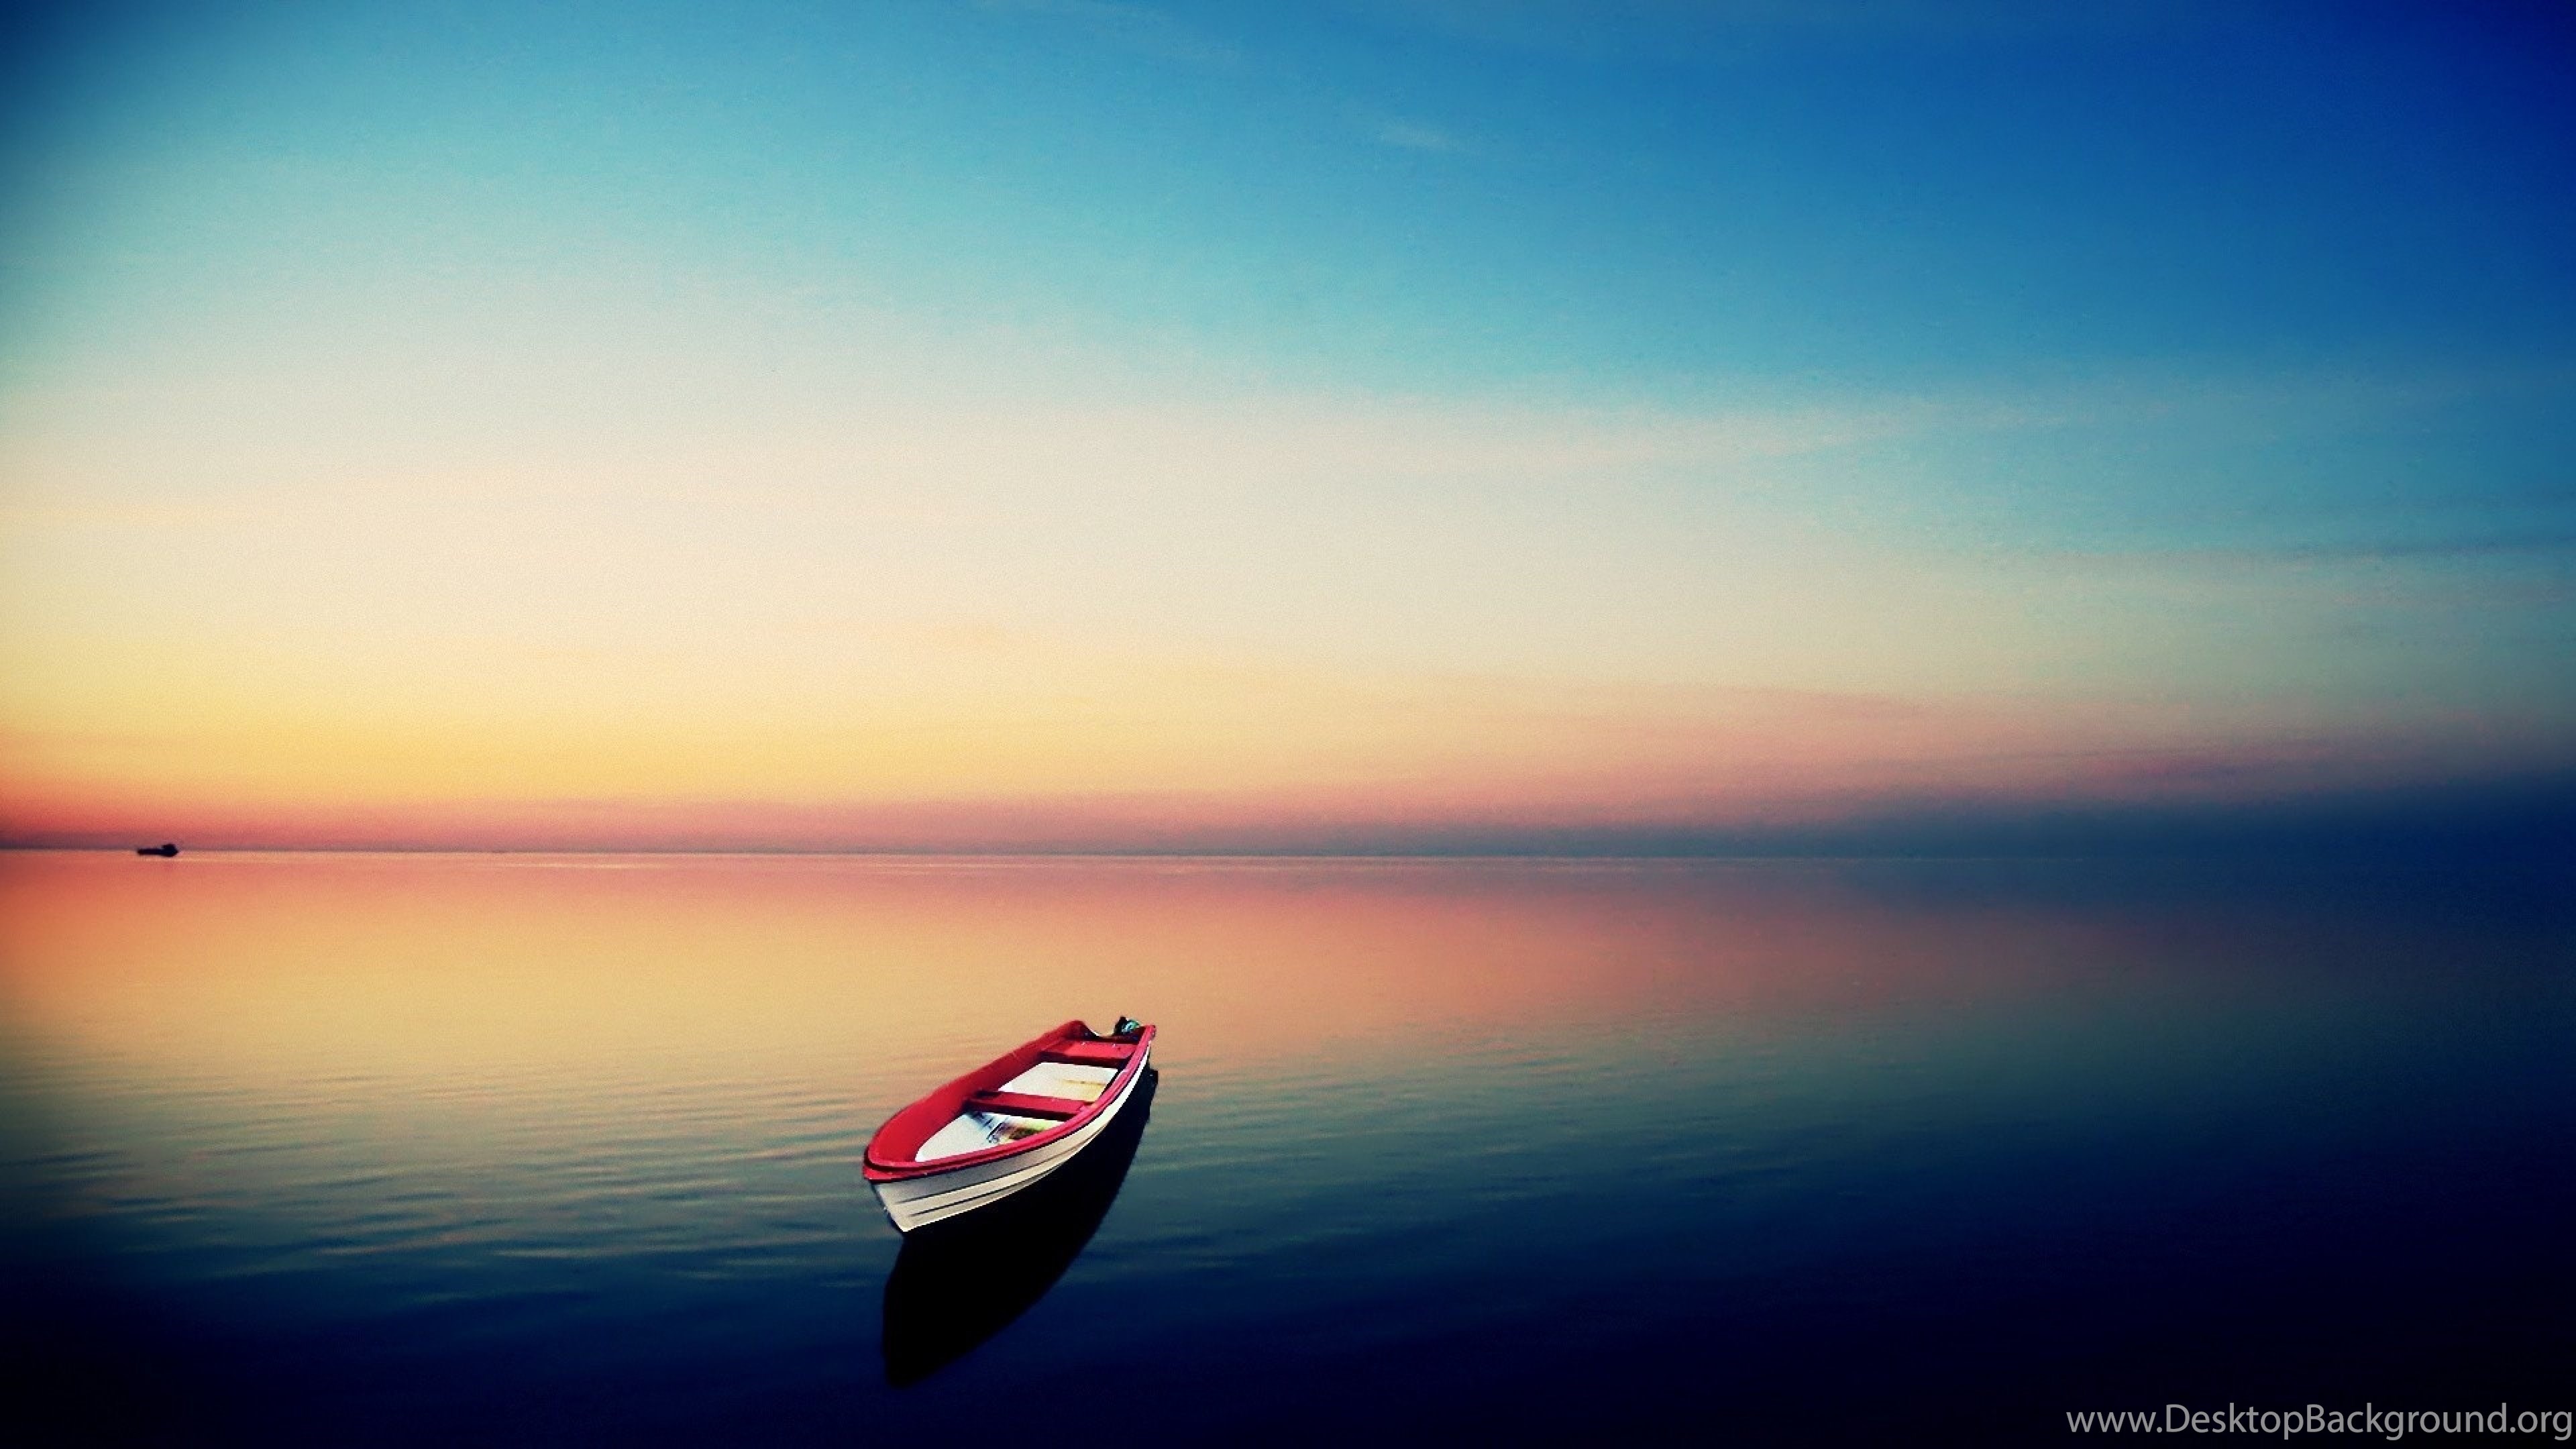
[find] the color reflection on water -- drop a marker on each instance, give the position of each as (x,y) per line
(320,1147)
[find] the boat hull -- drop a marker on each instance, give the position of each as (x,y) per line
(918,1201)
(957,1284)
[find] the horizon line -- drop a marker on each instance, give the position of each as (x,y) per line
(1029,853)
(2130,853)
(2528,813)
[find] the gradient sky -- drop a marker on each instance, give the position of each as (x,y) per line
(1053,422)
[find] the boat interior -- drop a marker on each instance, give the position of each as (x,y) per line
(1067,1076)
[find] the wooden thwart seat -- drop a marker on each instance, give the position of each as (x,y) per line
(1020,1104)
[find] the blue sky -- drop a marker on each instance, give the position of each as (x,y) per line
(2014,360)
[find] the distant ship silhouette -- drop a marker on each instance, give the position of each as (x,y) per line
(165,848)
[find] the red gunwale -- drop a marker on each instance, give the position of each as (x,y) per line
(890,1152)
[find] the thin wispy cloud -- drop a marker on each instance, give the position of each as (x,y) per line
(1415,136)
(1668,30)
(2551,545)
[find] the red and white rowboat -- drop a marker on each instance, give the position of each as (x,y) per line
(1006,1124)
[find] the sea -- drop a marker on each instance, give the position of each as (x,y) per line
(564,1149)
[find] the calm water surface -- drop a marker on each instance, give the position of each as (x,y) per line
(532,1149)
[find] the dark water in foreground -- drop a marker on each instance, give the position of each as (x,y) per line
(421,1149)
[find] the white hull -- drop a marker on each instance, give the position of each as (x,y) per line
(917,1202)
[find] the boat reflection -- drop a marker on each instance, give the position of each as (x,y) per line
(959,1282)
